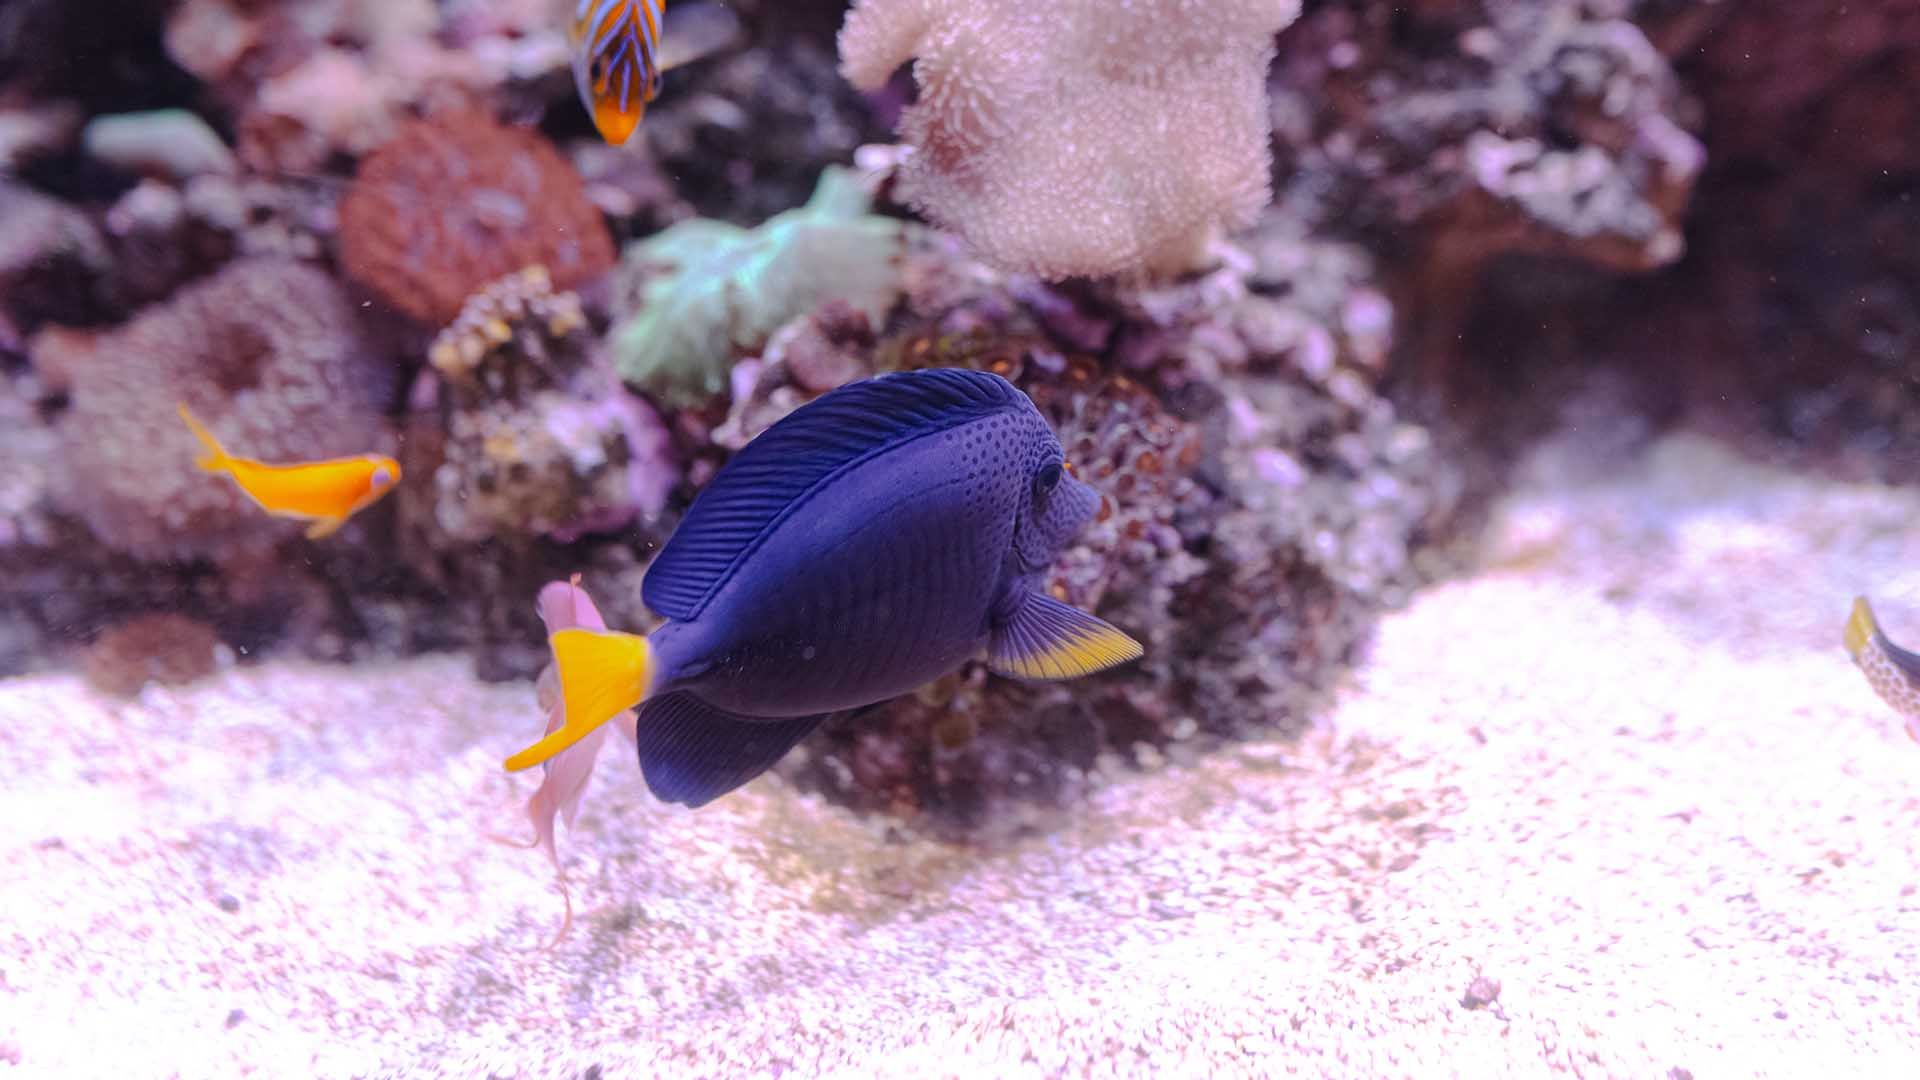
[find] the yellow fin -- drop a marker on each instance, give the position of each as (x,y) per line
(1046,639)
(216,458)
(602,673)
(324,528)
(1861,627)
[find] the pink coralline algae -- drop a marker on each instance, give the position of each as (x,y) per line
(1083,137)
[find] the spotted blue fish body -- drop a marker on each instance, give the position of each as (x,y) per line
(873,540)
(617,61)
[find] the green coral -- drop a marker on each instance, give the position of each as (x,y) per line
(702,289)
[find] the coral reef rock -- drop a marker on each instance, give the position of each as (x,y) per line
(52,258)
(751,136)
(540,437)
(1490,127)
(1262,503)
(169,649)
(703,289)
(266,352)
(1083,137)
(459,200)
(171,144)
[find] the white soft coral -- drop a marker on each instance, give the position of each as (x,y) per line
(1079,137)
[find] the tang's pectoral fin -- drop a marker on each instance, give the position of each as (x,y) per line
(692,753)
(1046,639)
(324,528)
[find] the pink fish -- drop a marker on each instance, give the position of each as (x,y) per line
(564,605)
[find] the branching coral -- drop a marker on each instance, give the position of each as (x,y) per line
(1084,137)
(459,200)
(703,289)
(540,438)
(266,352)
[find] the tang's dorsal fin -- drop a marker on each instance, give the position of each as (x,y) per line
(799,455)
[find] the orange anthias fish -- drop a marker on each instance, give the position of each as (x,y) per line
(326,493)
(620,48)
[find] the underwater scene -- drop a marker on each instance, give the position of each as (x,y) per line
(959,538)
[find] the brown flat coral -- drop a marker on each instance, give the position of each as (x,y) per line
(267,352)
(1083,137)
(460,200)
(169,649)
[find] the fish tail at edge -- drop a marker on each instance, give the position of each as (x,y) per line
(1861,627)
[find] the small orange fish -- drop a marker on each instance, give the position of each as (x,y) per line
(620,47)
(326,493)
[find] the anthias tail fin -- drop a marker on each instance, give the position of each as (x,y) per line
(216,456)
(1046,639)
(692,753)
(602,673)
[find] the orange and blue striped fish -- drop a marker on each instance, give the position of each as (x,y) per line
(620,48)
(325,493)
(616,61)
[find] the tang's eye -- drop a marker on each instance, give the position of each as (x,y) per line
(1046,480)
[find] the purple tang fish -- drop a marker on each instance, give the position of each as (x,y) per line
(873,540)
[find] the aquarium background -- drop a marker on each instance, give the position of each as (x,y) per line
(1496,406)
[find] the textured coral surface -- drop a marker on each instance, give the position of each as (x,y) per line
(1081,137)
(1563,777)
(459,200)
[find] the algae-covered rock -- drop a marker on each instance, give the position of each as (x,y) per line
(703,288)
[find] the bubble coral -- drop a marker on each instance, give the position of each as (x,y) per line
(539,437)
(1082,137)
(267,352)
(459,200)
(702,289)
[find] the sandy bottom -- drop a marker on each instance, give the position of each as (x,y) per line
(1626,775)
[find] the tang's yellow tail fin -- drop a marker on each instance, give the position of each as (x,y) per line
(1861,627)
(602,673)
(216,459)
